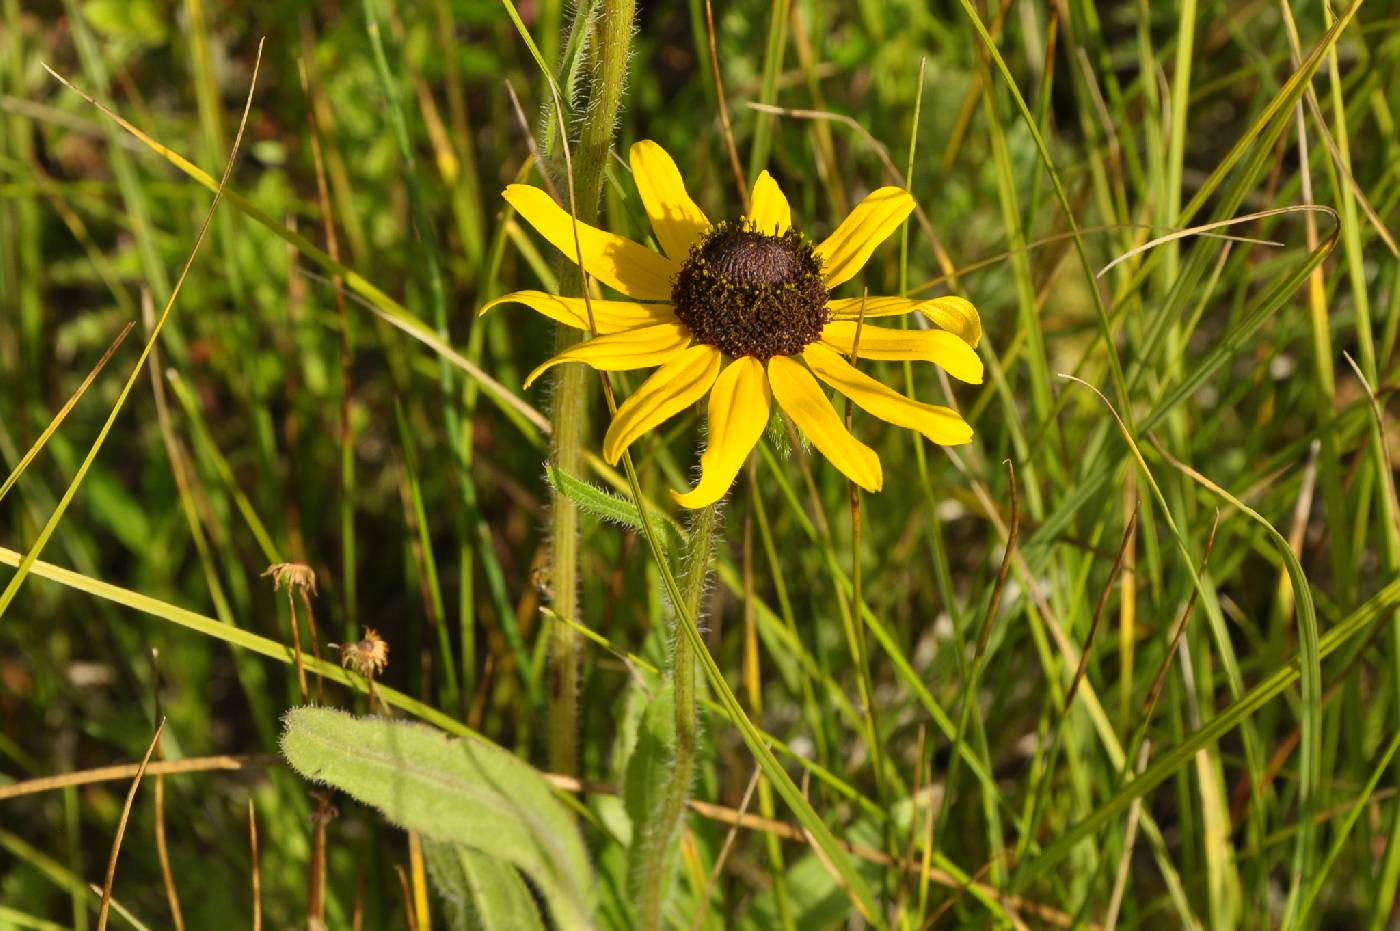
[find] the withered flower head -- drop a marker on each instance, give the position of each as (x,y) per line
(367,656)
(292,575)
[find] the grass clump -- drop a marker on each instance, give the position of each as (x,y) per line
(1126,659)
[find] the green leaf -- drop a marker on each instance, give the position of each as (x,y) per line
(614,901)
(467,792)
(604,505)
(629,721)
(140,23)
(814,898)
(482,892)
(645,786)
(649,762)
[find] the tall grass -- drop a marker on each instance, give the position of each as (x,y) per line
(1131,659)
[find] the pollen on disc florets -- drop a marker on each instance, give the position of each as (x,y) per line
(751,294)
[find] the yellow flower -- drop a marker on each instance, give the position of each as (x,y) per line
(754,295)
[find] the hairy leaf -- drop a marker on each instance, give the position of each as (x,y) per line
(649,762)
(649,773)
(605,505)
(483,893)
(467,792)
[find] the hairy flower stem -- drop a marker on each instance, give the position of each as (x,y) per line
(607,72)
(654,881)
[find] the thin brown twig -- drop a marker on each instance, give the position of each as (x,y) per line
(407,898)
(257,874)
(1015,525)
(1098,613)
(1218,224)
(545,179)
(315,647)
(296,645)
(724,849)
(725,128)
(167,875)
(316,873)
(1160,678)
(106,906)
(972,882)
(196,764)
(902,889)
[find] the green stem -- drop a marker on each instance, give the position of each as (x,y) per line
(610,46)
(654,880)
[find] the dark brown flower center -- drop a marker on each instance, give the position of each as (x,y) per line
(750,294)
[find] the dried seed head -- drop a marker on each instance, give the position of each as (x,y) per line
(292,575)
(751,294)
(368,656)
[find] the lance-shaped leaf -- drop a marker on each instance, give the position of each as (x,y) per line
(606,506)
(466,792)
(482,892)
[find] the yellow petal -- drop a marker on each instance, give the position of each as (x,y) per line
(954,314)
(610,316)
(620,263)
(942,349)
(844,252)
(768,208)
(630,349)
(799,394)
(675,218)
(940,424)
(669,390)
(739,404)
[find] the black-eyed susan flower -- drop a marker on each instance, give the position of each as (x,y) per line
(743,312)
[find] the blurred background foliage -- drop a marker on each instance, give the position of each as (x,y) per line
(231,459)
